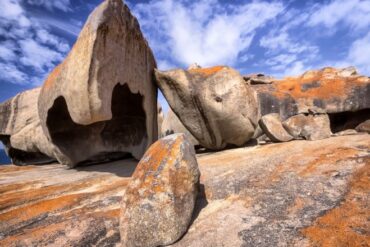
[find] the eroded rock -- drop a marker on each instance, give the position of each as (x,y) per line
(215,104)
(21,132)
(100,102)
(172,124)
(309,127)
(159,202)
(364,127)
(272,126)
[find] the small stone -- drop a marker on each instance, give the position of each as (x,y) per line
(310,127)
(158,203)
(364,127)
(272,126)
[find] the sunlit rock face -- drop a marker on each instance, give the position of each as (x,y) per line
(158,203)
(100,102)
(21,132)
(215,104)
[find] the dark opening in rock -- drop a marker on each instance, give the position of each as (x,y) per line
(347,120)
(100,141)
(20,157)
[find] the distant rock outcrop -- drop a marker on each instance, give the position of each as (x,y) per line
(159,201)
(172,124)
(100,102)
(215,104)
(21,132)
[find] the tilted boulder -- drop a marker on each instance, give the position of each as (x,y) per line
(100,102)
(215,104)
(364,127)
(159,201)
(172,124)
(309,127)
(272,126)
(21,132)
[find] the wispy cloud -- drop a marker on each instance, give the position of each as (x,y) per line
(206,32)
(63,5)
(28,50)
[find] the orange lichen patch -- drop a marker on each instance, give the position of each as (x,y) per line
(52,77)
(10,188)
(346,225)
(207,71)
(20,197)
(13,168)
(47,206)
(298,205)
(321,84)
(328,158)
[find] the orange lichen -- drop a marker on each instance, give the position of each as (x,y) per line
(52,77)
(346,225)
(329,85)
(207,71)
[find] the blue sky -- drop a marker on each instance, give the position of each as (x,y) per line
(274,37)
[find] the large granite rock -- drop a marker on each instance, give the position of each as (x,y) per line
(21,132)
(297,193)
(214,104)
(172,124)
(328,90)
(159,201)
(100,102)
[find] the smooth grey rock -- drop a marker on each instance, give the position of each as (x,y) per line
(272,126)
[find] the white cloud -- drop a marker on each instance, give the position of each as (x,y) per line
(354,13)
(63,5)
(358,54)
(29,51)
(206,32)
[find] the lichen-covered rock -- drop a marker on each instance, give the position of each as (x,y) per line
(328,90)
(309,127)
(100,102)
(21,132)
(159,201)
(272,126)
(215,104)
(172,124)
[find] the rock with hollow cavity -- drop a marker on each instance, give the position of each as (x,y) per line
(172,124)
(215,104)
(159,202)
(100,102)
(272,126)
(309,127)
(21,132)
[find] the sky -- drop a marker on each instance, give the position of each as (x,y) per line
(276,38)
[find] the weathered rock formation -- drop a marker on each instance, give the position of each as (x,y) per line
(297,193)
(328,90)
(214,104)
(309,127)
(172,124)
(100,102)
(273,128)
(21,132)
(159,201)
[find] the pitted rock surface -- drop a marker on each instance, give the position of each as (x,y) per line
(159,201)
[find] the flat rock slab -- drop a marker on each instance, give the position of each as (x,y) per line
(299,193)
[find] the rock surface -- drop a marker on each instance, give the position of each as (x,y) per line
(309,127)
(21,132)
(364,127)
(329,90)
(298,193)
(172,124)
(101,102)
(272,126)
(158,203)
(215,104)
